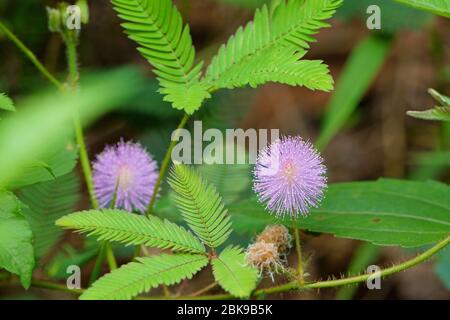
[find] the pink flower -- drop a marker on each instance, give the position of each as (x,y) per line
(290,177)
(128,167)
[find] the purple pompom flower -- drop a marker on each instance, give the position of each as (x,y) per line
(290,177)
(130,169)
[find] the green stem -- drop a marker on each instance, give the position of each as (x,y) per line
(73,81)
(112,263)
(204,290)
(298,248)
(366,254)
(165,163)
(357,279)
(55,286)
(295,285)
(72,61)
(45,285)
(105,249)
(98,263)
(30,55)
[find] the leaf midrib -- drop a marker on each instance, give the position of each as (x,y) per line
(90,228)
(381,213)
(232,273)
(133,283)
(164,36)
(199,213)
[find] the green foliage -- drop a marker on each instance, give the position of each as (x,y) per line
(394,16)
(440,113)
(369,56)
(269,48)
(131,229)
(200,205)
(437,113)
(282,65)
(232,181)
(6,103)
(42,123)
(58,161)
(385,212)
(16,249)
(157,27)
(232,273)
(69,256)
(45,203)
(430,165)
(136,277)
(440,7)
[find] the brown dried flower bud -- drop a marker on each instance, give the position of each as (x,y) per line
(278,235)
(265,257)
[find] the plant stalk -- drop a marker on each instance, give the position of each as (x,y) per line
(30,55)
(165,163)
(72,61)
(98,263)
(298,248)
(294,285)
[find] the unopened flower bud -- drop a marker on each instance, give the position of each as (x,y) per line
(278,235)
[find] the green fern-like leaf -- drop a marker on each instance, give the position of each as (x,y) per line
(282,65)
(201,206)
(138,277)
(440,7)
(45,203)
(439,113)
(232,273)
(131,229)
(288,29)
(157,27)
(6,103)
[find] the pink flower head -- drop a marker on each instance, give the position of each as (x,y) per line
(130,169)
(290,177)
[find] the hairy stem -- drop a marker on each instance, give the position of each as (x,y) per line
(365,255)
(352,280)
(72,62)
(298,248)
(294,285)
(30,55)
(204,290)
(165,163)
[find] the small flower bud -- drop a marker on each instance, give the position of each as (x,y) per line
(278,235)
(265,257)
(84,8)
(54,19)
